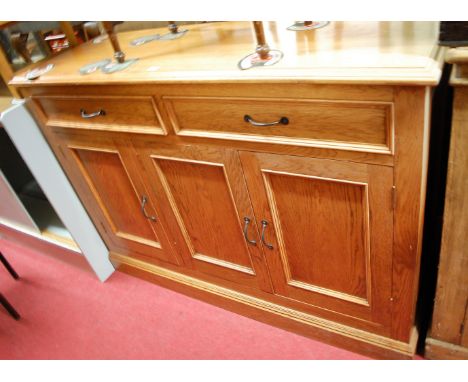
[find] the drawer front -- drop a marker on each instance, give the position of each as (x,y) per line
(132,114)
(348,125)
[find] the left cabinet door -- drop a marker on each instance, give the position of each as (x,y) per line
(106,175)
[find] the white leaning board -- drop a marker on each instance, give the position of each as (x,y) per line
(31,144)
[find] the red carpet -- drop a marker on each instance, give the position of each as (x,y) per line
(68,314)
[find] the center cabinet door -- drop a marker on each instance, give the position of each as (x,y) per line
(106,175)
(208,203)
(327,229)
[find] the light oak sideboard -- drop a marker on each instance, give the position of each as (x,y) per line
(292,194)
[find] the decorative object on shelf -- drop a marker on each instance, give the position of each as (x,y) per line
(37,72)
(174,33)
(91,68)
(120,62)
(263,56)
(307,25)
(145,39)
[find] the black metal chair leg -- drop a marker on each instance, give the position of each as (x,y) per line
(8,267)
(13,313)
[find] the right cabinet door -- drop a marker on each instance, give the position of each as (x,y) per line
(326,230)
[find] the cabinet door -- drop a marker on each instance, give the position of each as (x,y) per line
(328,229)
(105,173)
(207,201)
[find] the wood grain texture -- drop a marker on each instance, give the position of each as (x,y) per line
(353,271)
(5,103)
(214,232)
(109,178)
(412,107)
(329,149)
(6,71)
(105,175)
(133,114)
(451,303)
(147,146)
(375,346)
(335,253)
(463,72)
(440,350)
(352,52)
(363,126)
(67,29)
(206,199)
(325,225)
(297,90)
(464,338)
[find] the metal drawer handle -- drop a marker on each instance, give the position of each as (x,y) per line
(246,227)
(281,121)
(144,199)
(264,225)
(92,115)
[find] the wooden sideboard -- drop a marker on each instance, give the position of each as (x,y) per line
(312,224)
(448,338)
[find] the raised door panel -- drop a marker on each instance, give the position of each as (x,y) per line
(327,229)
(104,171)
(210,231)
(208,200)
(328,219)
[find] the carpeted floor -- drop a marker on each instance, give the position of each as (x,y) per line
(68,314)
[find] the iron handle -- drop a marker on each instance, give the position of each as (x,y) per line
(264,225)
(92,115)
(281,121)
(246,227)
(144,199)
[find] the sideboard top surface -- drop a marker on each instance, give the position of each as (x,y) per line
(403,53)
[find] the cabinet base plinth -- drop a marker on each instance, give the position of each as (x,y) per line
(307,325)
(436,349)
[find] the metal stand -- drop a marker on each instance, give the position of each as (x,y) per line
(8,267)
(106,65)
(3,301)
(174,33)
(9,308)
(263,56)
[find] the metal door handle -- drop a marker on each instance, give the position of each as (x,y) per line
(246,227)
(264,225)
(92,115)
(281,121)
(144,199)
